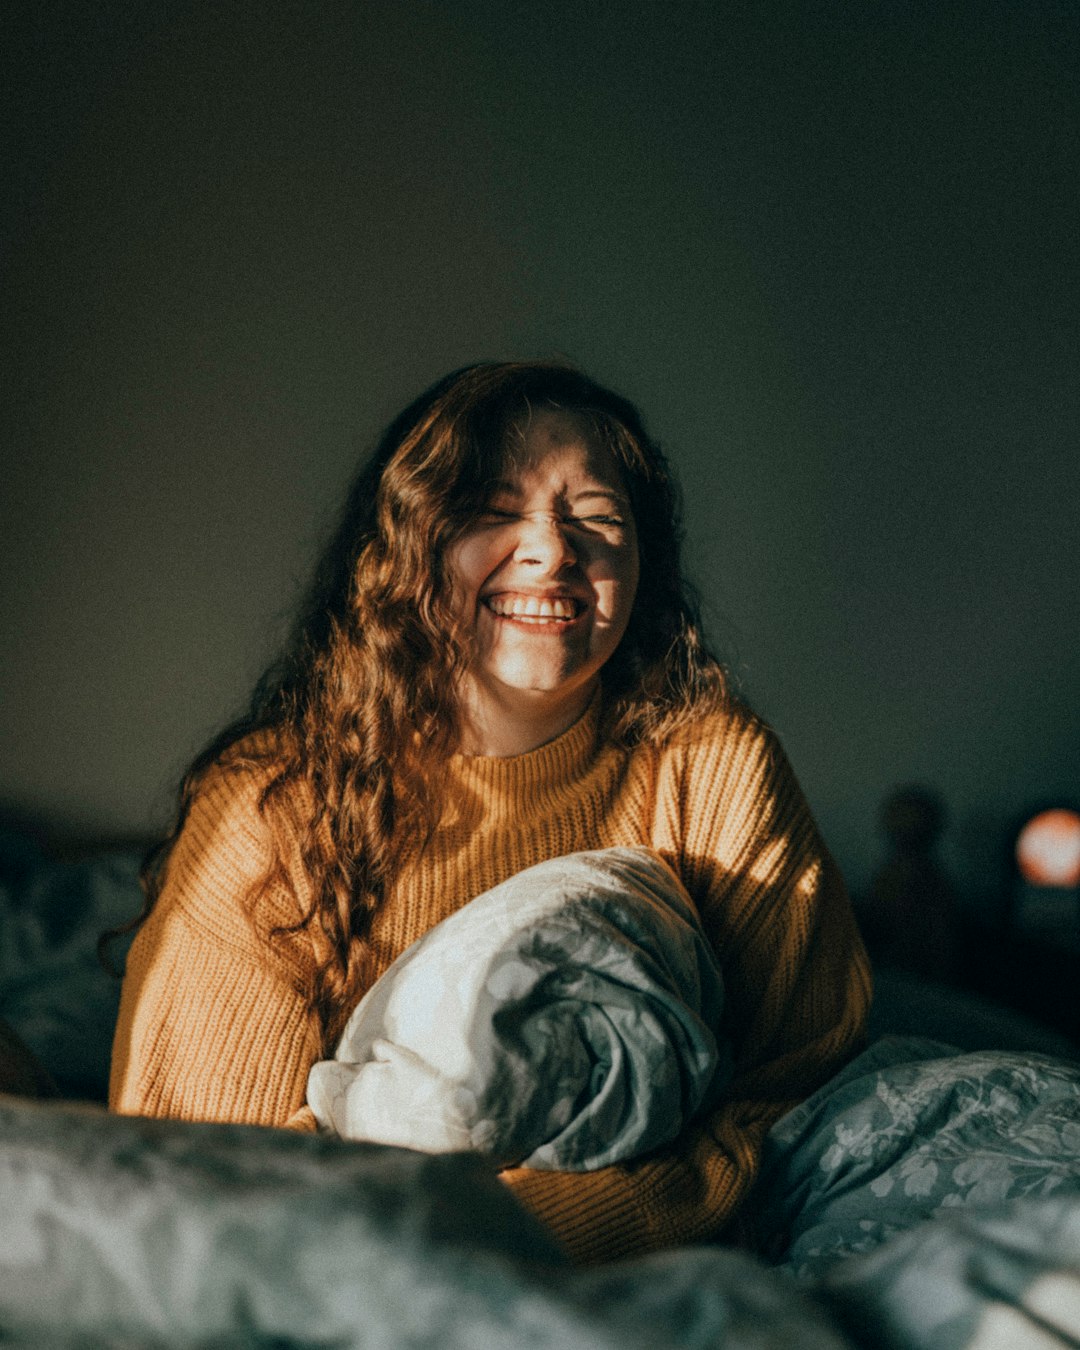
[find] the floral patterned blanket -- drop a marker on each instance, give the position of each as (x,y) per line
(931,1200)
(910,1131)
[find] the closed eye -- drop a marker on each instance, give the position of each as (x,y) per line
(594,523)
(493,515)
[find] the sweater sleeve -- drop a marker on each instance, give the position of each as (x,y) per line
(214,1021)
(797,986)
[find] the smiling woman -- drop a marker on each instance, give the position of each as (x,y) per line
(549,570)
(498,665)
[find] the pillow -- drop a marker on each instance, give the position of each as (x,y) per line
(54,992)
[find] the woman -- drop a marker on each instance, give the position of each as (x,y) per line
(498,665)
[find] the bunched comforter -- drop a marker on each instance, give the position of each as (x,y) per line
(566,1019)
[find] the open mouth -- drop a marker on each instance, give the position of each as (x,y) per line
(558,611)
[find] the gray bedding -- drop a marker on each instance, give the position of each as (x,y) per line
(924,1199)
(54,993)
(126,1232)
(565,1020)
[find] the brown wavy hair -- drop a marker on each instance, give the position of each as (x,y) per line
(360,708)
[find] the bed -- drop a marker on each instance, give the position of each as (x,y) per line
(929,1195)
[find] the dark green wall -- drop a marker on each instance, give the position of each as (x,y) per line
(830,248)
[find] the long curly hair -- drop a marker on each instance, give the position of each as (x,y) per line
(360,709)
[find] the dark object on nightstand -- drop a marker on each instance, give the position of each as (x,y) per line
(910,914)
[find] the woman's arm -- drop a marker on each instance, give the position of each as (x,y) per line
(214,1021)
(797,987)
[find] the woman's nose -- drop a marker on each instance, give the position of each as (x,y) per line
(544,540)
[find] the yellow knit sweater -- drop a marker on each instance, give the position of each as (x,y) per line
(214,1023)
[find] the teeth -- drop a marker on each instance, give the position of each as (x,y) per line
(531,607)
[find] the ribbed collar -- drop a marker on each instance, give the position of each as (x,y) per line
(548,771)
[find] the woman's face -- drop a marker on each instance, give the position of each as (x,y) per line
(547,575)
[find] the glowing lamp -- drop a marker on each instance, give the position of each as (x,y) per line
(1048,849)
